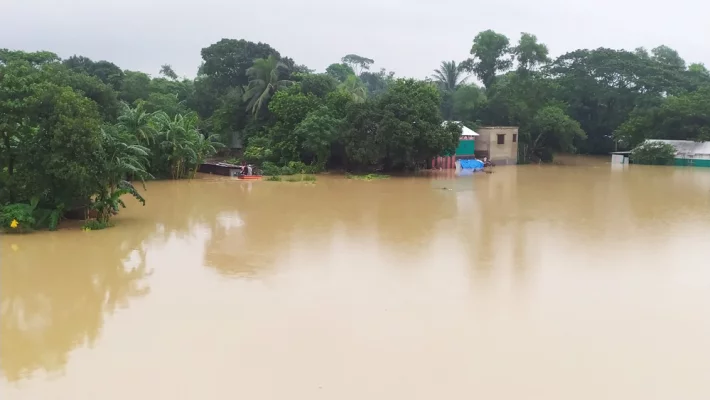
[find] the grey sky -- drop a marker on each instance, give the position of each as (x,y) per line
(409,37)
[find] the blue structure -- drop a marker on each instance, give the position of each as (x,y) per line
(471,164)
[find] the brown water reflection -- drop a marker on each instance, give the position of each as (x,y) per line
(557,282)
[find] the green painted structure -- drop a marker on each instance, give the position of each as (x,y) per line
(466,147)
(688,153)
(685,162)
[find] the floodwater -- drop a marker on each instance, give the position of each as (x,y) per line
(584,281)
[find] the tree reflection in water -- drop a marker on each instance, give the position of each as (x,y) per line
(53,298)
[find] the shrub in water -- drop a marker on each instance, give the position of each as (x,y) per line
(368,177)
(269,168)
(653,153)
(95,225)
(17,218)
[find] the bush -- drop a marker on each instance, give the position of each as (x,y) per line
(258,150)
(368,177)
(270,169)
(23,218)
(96,225)
(17,218)
(292,168)
(653,153)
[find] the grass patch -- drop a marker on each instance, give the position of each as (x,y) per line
(273,178)
(368,177)
(94,225)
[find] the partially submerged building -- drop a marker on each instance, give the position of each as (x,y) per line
(498,143)
(689,153)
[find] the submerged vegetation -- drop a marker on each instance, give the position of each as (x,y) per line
(653,153)
(367,177)
(77,135)
(301,178)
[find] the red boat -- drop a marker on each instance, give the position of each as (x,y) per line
(250,177)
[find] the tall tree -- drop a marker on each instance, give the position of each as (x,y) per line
(266,76)
(377,82)
(490,51)
(340,71)
(135,86)
(358,63)
(228,60)
(550,130)
(401,129)
(449,76)
(668,57)
(318,84)
(467,100)
(355,87)
(529,53)
(167,71)
(603,86)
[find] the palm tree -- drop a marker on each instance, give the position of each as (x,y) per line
(449,76)
(264,80)
(136,122)
(355,87)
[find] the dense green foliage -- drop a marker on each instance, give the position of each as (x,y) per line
(618,98)
(75,133)
(653,153)
(68,144)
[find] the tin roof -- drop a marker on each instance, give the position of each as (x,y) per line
(686,146)
(464,130)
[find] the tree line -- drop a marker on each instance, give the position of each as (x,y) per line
(77,134)
(589,101)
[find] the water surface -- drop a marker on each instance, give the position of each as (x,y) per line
(534,282)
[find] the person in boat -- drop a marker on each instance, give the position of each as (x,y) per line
(249,169)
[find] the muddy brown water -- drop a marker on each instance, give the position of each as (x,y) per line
(535,282)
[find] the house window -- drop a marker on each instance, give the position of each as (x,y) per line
(501,138)
(515,137)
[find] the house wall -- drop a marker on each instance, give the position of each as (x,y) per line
(619,159)
(506,153)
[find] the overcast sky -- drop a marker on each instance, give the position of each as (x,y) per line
(409,37)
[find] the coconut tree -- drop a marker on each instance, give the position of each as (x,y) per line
(449,76)
(355,87)
(266,76)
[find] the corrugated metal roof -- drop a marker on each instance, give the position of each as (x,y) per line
(686,147)
(464,130)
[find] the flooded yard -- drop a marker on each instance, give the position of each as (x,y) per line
(535,282)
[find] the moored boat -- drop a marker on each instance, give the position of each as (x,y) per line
(250,177)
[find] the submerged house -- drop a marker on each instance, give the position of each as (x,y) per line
(498,143)
(465,149)
(689,153)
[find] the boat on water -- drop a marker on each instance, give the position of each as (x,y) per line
(226,169)
(250,177)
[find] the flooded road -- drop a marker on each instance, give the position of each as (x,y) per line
(552,282)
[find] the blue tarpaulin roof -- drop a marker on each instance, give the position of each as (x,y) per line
(471,164)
